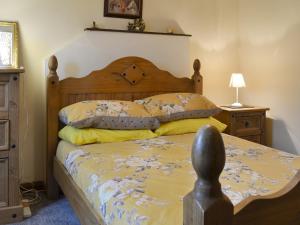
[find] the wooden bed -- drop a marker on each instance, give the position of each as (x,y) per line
(133,78)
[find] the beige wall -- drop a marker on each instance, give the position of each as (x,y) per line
(267,52)
(47,25)
(269,55)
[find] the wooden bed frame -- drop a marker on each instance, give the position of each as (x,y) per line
(133,78)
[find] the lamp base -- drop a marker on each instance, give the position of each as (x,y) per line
(237,105)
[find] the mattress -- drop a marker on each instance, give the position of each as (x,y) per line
(144,181)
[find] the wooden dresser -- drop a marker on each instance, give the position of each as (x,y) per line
(10,201)
(246,123)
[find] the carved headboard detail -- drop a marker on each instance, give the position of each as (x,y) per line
(133,74)
(127,78)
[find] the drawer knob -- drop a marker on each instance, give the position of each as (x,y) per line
(13,146)
(246,124)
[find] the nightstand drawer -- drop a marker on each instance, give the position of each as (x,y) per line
(248,125)
(253,138)
(4,135)
(3,182)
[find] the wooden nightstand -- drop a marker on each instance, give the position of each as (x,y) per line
(246,123)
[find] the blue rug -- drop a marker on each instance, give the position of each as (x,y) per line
(56,213)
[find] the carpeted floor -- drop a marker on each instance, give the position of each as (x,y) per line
(52,213)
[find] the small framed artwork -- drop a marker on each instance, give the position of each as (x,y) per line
(8,44)
(130,9)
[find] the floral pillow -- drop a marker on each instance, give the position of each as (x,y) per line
(108,114)
(177,106)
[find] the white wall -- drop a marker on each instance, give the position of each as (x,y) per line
(95,50)
(270,59)
(46,26)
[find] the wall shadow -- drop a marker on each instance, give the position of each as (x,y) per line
(282,138)
(272,68)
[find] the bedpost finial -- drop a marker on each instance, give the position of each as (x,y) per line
(208,155)
(197,78)
(197,65)
(53,64)
(207,199)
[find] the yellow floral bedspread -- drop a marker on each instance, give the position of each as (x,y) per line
(144,182)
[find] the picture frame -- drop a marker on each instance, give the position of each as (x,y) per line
(9,49)
(129,9)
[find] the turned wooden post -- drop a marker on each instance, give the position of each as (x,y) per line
(52,125)
(197,77)
(206,204)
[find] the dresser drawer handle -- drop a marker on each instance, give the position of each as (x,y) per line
(247,124)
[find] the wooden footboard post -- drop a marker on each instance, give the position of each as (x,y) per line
(52,125)
(206,204)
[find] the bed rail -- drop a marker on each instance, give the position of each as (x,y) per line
(206,204)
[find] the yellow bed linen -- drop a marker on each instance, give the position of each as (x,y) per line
(144,182)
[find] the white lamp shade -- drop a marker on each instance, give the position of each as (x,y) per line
(237,80)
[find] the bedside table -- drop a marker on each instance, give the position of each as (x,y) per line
(246,123)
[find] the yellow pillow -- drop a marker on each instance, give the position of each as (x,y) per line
(178,106)
(188,126)
(91,135)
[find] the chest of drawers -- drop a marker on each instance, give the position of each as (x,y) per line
(10,200)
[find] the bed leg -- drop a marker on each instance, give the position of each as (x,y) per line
(206,204)
(53,190)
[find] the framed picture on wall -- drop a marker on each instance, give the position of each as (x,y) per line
(130,9)
(8,44)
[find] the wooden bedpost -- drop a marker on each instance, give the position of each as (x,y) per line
(206,204)
(52,125)
(197,77)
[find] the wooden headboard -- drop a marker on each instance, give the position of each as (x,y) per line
(127,78)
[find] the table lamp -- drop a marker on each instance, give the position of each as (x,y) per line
(237,81)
